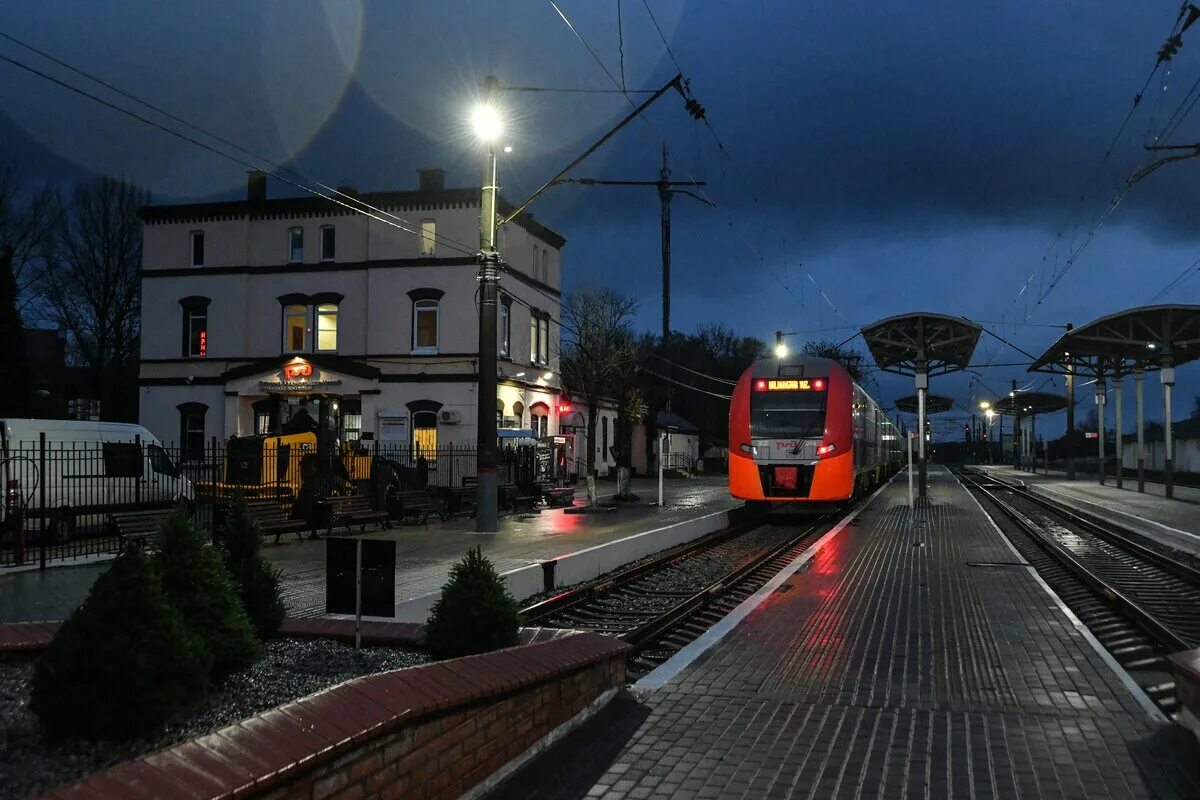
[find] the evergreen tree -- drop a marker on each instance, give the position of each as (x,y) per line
(256,580)
(196,582)
(123,662)
(475,613)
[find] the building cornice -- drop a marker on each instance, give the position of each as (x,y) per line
(324,266)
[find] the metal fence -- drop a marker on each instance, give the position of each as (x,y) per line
(59,497)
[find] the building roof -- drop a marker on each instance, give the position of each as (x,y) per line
(934,404)
(672,421)
(1117,344)
(311,205)
(1181,429)
(902,343)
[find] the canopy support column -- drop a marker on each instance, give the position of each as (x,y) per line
(1168,381)
(1100,428)
(1120,445)
(1138,381)
(1070,422)
(921,379)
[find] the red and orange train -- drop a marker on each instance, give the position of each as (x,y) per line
(801,431)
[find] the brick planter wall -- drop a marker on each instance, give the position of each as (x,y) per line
(433,731)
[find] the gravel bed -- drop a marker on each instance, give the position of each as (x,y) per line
(31,764)
(627,605)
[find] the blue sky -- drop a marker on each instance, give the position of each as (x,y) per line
(899,156)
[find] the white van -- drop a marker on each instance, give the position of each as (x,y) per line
(90,469)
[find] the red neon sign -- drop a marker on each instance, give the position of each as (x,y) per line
(565,408)
(301,370)
(203,343)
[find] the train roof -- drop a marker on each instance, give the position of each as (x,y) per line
(794,367)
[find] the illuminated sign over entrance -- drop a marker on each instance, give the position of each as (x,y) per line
(300,369)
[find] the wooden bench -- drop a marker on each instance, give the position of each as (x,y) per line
(138,526)
(459,499)
(417,505)
(354,509)
(271,518)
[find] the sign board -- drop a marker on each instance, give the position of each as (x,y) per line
(1091,435)
(378,576)
(393,430)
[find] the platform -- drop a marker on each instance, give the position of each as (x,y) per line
(424,553)
(1171,521)
(899,662)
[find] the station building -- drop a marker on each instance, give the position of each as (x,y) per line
(257,311)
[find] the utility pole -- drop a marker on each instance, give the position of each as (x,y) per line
(1070,414)
(489,280)
(666,189)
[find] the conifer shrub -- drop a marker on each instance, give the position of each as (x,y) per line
(197,583)
(256,580)
(123,662)
(475,613)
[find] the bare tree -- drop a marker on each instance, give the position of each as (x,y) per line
(597,351)
(27,223)
(848,357)
(92,285)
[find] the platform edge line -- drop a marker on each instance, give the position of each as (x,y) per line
(1153,711)
(665,672)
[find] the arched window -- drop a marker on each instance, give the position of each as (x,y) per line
(425,322)
(191,431)
(295,329)
(327,326)
(425,433)
(539,419)
(195,326)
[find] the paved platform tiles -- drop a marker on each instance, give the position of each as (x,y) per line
(899,662)
(1180,513)
(424,553)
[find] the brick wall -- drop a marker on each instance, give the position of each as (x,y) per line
(428,732)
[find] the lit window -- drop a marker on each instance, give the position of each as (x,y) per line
(428,235)
(295,245)
(425,432)
(328,243)
(295,329)
(327,328)
(505,329)
(195,326)
(425,325)
(544,340)
(197,248)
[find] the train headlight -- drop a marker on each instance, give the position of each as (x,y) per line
(826,449)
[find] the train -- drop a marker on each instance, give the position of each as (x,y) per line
(801,430)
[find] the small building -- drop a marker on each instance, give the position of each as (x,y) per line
(681,445)
(262,311)
(1185,441)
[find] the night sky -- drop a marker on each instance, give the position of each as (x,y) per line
(899,156)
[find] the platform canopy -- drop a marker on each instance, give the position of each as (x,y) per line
(1139,338)
(1028,404)
(934,404)
(922,342)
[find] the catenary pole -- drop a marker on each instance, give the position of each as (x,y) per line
(489,279)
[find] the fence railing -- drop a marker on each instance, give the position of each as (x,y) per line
(58,496)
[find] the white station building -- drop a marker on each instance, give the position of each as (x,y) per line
(259,310)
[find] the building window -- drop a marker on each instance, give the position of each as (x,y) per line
(504,339)
(539,419)
(604,439)
(533,271)
(544,340)
(533,337)
(545,266)
(425,319)
(424,432)
(262,416)
(328,243)
(195,326)
(191,431)
(295,329)
(197,242)
(295,245)
(327,324)
(428,236)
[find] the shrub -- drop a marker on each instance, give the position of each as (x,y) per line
(256,580)
(475,612)
(123,662)
(198,585)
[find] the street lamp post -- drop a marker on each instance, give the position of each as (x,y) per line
(488,127)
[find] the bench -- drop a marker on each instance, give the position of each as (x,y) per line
(459,499)
(138,526)
(564,496)
(271,518)
(353,509)
(417,505)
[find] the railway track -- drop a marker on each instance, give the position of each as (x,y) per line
(1140,601)
(660,605)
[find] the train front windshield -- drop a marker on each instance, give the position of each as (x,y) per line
(787,415)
